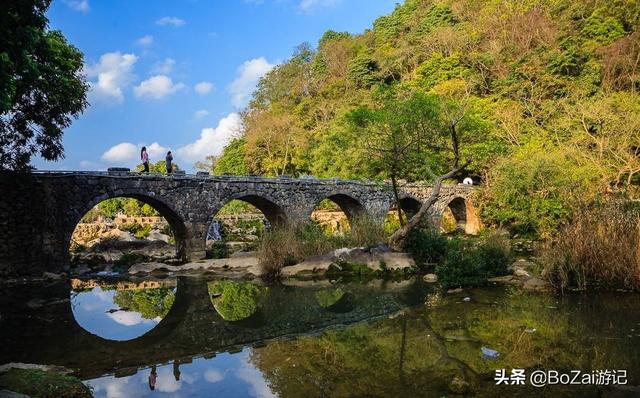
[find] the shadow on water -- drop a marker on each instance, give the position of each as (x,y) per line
(315,338)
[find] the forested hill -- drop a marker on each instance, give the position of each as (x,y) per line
(551,84)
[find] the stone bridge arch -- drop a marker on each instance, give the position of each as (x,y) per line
(162,205)
(348,202)
(463,211)
(273,211)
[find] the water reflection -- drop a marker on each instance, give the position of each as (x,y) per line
(120,312)
(226,375)
(317,339)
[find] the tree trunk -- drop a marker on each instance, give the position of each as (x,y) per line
(396,241)
(394,184)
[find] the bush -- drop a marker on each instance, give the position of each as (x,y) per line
(43,384)
(600,247)
(469,262)
(217,249)
(139,231)
(427,246)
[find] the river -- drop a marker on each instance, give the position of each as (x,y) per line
(193,337)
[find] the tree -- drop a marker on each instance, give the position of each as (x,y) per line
(396,133)
(232,159)
(207,165)
(443,133)
(41,85)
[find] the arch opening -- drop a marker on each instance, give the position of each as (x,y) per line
(459,216)
(123,310)
(240,224)
(123,230)
(336,214)
(408,206)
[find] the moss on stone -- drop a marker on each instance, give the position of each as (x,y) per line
(42,384)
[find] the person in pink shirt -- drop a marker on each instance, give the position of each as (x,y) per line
(145,159)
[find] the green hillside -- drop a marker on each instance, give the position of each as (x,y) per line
(552,86)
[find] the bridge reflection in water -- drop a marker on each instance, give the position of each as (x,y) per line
(38,325)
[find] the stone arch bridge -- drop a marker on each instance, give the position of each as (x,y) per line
(39,211)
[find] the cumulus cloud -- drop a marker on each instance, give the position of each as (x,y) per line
(145,40)
(200,114)
(129,154)
(308,5)
(78,5)
(247,77)
(212,140)
(128,318)
(157,87)
(203,88)
(258,386)
(110,76)
(123,152)
(164,67)
(172,21)
(213,376)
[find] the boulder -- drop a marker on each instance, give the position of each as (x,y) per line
(459,386)
(430,278)
(536,284)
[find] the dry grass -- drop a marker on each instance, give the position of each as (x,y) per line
(287,245)
(600,248)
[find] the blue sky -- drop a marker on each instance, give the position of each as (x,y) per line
(174,74)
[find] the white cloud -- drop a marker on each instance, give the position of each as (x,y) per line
(129,154)
(145,40)
(212,140)
(123,152)
(200,114)
(173,21)
(157,87)
(203,88)
(213,376)
(110,76)
(78,5)
(128,318)
(308,5)
(165,67)
(156,151)
(258,386)
(247,77)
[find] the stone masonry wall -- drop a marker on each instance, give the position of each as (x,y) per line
(39,211)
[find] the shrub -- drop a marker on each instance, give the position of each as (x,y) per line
(45,384)
(217,249)
(469,262)
(426,245)
(600,247)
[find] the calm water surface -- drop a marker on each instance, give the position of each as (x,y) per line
(192,337)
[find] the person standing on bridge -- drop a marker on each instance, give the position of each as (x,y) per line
(144,157)
(168,160)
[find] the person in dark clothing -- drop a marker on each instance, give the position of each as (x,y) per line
(169,160)
(144,157)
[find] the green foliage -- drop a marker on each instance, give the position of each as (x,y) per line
(427,246)
(139,231)
(150,303)
(232,160)
(234,301)
(158,167)
(471,263)
(110,208)
(42,87)
(43,384)
(362,71)
(602,28)
(440,68)
(217,249)
(530,190)
(327,298)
